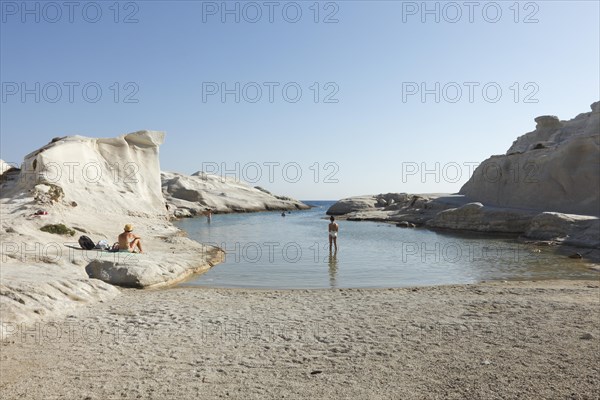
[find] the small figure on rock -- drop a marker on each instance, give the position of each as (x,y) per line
(130,242)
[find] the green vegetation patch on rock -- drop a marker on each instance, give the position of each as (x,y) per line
(59,229)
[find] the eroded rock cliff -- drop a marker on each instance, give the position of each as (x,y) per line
(556,168)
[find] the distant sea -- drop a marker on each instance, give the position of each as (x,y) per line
(268,250)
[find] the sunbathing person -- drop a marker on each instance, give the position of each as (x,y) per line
(128,241)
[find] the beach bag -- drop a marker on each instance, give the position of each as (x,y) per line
(86,243)
(103,245)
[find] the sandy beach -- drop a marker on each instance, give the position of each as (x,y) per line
(492,340)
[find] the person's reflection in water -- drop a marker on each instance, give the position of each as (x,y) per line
(333,266)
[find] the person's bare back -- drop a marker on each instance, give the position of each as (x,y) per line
(333,233)
(129,241)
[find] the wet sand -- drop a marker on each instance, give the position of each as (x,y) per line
(486,341)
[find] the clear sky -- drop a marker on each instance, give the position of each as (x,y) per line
(317,100)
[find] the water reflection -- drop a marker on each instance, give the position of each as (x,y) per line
(333,267)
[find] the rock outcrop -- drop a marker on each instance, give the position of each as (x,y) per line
(546,187)
(41,290)
(165,268)
(477,217)
(92,187)
(396,207)
(115,175)
(555,168)
(351,204)
(188,196)
(457,212)
(573,230)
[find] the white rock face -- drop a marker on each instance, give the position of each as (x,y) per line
(476,217)
(191,195)
(93,187)
(554,168)
(115,175)
(575,230)
(352,204)
(35,291)
(156,268)
(456,212)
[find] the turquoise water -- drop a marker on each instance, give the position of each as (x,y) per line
(266,250)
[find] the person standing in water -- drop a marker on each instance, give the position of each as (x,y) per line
(333,232)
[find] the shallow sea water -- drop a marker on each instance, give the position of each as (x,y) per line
(267,250)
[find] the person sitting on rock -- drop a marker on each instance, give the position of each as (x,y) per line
(128,241)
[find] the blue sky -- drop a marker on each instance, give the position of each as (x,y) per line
(366,130)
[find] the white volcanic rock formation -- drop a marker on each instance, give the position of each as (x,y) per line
(351,204)
(115,175)
(556,167)
(546,187)
(92,187)
(190,195)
